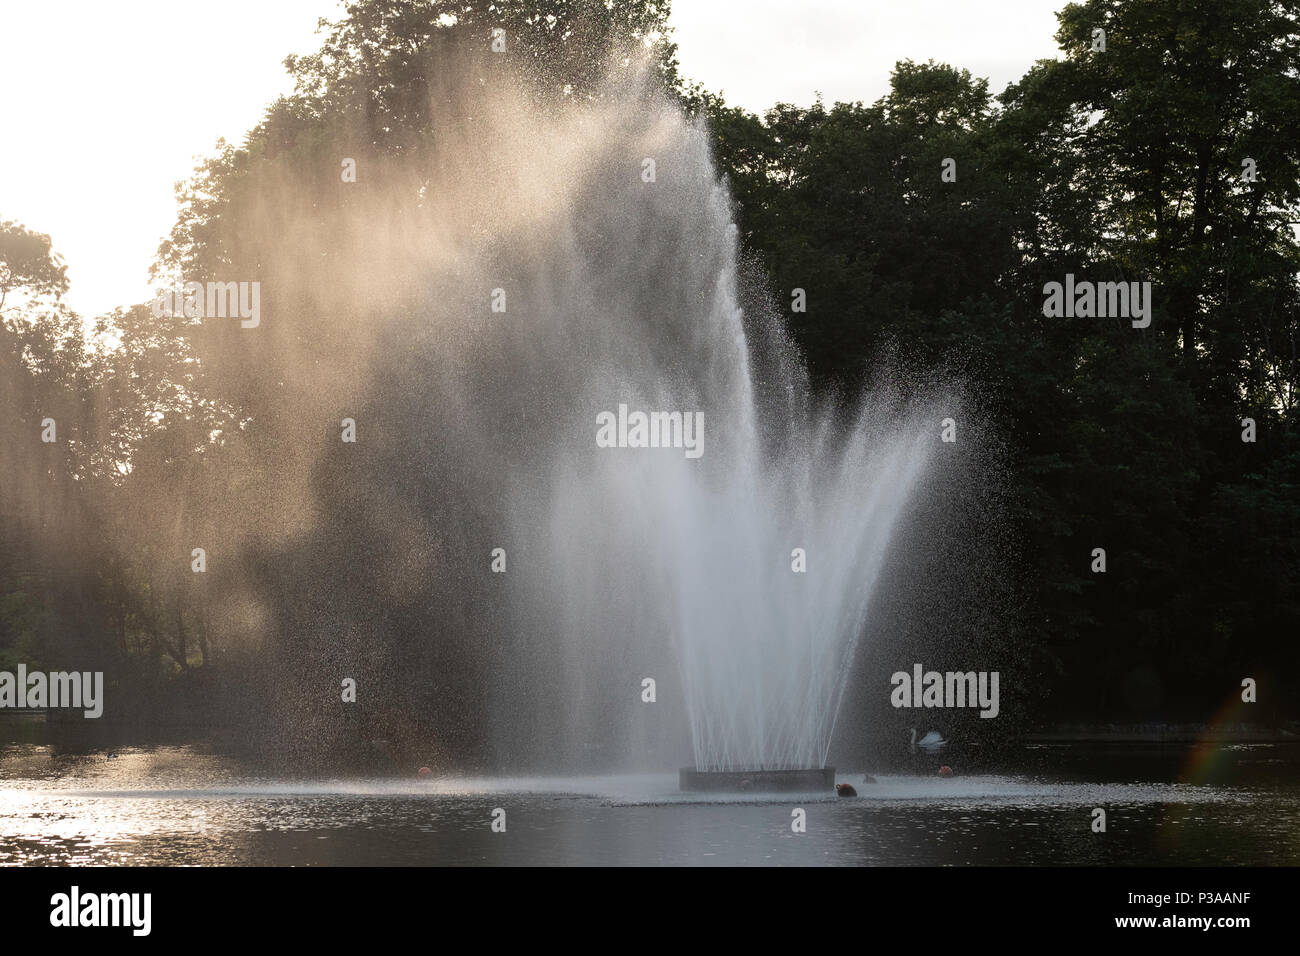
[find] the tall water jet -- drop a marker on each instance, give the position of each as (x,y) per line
(754,562)
(479,304)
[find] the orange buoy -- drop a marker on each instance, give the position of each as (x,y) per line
(425,771)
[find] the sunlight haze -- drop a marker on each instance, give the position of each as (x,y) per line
(115,102)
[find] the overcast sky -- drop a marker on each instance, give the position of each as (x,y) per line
(106,104)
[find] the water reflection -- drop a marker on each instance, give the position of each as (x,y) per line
(177,805)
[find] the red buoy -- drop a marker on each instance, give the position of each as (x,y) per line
(425,771)
(945,771)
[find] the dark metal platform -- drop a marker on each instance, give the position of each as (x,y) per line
(758,781)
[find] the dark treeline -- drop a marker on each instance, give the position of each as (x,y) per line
(1123,165)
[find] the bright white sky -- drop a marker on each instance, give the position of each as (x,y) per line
(106,104)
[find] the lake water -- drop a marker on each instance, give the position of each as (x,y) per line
(178,805)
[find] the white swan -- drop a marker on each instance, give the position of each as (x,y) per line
(931,743)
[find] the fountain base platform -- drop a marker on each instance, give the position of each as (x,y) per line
(817,780)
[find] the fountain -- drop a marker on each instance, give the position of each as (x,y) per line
(591,453)
(750,564)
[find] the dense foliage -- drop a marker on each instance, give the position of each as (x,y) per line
(1125,165)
